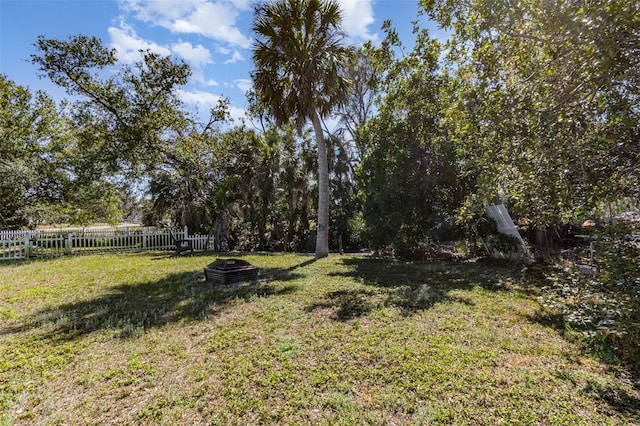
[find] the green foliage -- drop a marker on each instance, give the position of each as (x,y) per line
(42,176)
(364,80)
(543,107)
(299,57)
(189,187)
(481,232)
(409,173)
(533,102)
(251,189)
(30,130)
(357,228)
(269,196)
(97,202)
(344,202)
(603,306)
(123,121)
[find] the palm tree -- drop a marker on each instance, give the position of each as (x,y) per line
(299,60)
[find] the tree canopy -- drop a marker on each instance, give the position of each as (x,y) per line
(40,165)
(123,118)
(544,103)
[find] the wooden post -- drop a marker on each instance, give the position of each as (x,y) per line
(69,243)
(340,244)
(144,238)
(27,245)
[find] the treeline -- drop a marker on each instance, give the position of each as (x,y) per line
(533,103)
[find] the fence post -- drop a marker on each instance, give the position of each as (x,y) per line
(70,243)
(144,238)
(186,232)
(27,245)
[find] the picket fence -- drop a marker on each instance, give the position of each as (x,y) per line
(51,243)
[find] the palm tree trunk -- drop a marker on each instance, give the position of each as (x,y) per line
(322,238)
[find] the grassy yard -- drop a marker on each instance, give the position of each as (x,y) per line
(142,339)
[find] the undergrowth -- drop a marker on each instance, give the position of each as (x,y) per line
(600,300)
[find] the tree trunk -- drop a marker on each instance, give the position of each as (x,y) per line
(322,237)
(222,232)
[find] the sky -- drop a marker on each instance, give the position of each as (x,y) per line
(213,36)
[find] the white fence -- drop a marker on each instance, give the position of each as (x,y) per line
(51,243)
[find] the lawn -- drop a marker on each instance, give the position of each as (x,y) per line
(143,339)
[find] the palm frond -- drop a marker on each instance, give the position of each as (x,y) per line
(299,57)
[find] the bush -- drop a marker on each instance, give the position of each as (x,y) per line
(412,244)
(480,228)
(604,307)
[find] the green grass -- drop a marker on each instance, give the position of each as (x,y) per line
(142,339)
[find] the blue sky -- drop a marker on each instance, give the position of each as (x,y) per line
(213,36)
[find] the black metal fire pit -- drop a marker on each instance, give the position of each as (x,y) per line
(230,271)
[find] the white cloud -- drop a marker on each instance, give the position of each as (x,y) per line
(150,10)
(236,57)
(205,100)
(198,76)
(197,56)
(214,19)
(244,84)
(128,44)
(357,15)
(238,114)
(223,50)
(241,4)
(198,98)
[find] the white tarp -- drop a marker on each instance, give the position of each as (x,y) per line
(506,226)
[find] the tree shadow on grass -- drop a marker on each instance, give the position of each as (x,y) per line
(625,400)
(284,274)
(129,309)
(417,286)
(441,274)
(616,397)
(622,399)
(264,274)
(408,286)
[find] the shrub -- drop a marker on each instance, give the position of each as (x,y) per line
(604,307)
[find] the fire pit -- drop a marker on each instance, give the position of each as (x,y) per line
(230,271)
